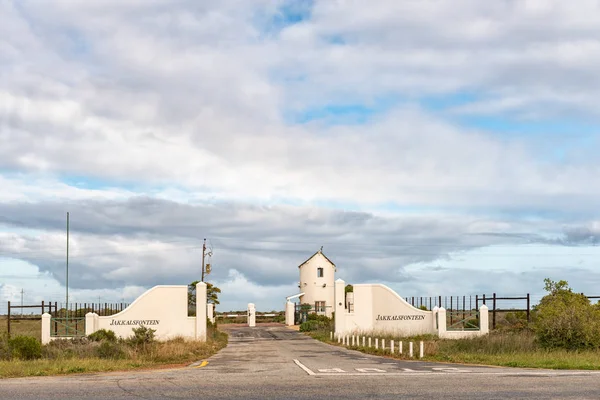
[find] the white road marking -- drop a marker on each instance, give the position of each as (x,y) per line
(451,369)
(437,371)
(304,367)
(369,370)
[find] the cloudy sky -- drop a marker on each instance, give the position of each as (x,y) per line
(440,147)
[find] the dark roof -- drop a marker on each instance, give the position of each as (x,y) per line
(318,252)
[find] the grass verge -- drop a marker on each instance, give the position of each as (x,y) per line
(517,349)
(83,356)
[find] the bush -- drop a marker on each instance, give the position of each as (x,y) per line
(103,335)
(110,350)
(142,336)
(308,326)
(5,353)
(564,319)
(25,347)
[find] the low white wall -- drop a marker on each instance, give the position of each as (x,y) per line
(378,309)
(162,308)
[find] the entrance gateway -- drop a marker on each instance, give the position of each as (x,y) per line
(369,307)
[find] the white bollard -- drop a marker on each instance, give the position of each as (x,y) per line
(352,340)
(421,349)
(339,339)
(410,349)
(376,343)
(369,342)
(363,341)
(400,347)
(331,336)
(383,344)
(347,340)
(392,347)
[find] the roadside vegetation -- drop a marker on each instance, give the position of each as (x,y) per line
(101,352)
(564,334)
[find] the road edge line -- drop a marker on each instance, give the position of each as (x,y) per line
(304,367)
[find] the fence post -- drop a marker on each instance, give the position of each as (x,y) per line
(494,312)
(451,322)
(8,320)
(439,301)
(476,302)
(528,306)
(43,308)
(484,298)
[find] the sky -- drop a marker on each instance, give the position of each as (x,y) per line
(440,148)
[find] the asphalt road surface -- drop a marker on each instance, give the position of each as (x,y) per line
(272,362)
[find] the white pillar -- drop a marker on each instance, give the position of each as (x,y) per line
(340,311)
(400,347)
(383,344)
(435,311)
(392,347)
(363,342)
(369,342)
(289,313)
(421,349)
(376,343)
(210,312)
(339,338)
(442,322)
(91,323)
(201,311)
(331,336)
(484,320)
(251,315)
(46,326)
(410,349)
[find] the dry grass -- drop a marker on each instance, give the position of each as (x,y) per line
(79,356)
(26,328)
(516,349)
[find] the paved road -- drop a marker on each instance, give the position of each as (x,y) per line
(276,363)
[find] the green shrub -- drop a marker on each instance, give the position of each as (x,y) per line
(564,319)
(142,336)
(110,350)
(308,326)
(103,335)
(25,347)
(5,352)
(320,323)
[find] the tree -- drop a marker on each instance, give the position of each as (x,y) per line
(212,294)
(349,289)
(564,319)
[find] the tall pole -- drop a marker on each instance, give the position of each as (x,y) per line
(67,306)
(22,291)
(203,251)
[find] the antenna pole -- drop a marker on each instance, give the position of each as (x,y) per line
(67,280)
(203,251)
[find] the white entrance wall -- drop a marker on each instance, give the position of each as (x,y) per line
(378,309)
(163,308)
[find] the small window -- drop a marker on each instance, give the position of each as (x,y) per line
(320,306)
(319,272)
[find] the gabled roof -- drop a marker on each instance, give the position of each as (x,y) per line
(318,252)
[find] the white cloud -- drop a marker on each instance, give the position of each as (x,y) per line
(166,112)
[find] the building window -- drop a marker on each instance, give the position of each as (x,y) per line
(320,306)
(319,272)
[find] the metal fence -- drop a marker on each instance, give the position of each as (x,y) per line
(497,304)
